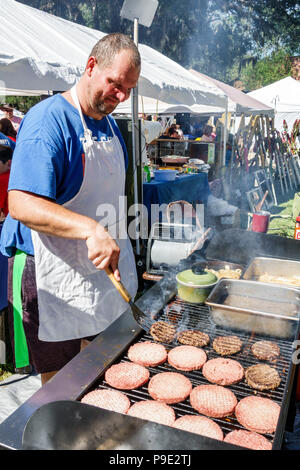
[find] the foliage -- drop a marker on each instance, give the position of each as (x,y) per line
(276,66)
(22,103)
(214,37)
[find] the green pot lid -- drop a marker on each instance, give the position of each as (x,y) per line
(196,277)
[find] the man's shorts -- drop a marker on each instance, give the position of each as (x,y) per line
(23,320)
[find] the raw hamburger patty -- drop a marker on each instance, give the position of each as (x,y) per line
(193,338)
(152,410)
(223,371)
(248,439)
(127,375)
(108,399)
(187,358)
(199,425)
(163,331)
(226,345)
(213,400)
(258,414)
(147,353)
(262,377)
(169,387)
(265,350)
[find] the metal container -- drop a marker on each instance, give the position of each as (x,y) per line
(255,307)
(175,159)
(275,271)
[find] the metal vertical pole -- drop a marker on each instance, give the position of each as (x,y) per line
(225,133)
(134,117)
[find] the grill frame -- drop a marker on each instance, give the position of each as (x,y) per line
(283,365)
(86,369)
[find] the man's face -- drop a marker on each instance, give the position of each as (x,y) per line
(111,85)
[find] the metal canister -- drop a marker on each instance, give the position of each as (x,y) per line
(297,228)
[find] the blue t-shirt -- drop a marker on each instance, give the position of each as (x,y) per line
(6,141)
(48,160)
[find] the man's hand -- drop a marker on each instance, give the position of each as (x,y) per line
(103,251)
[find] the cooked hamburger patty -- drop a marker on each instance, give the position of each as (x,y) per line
(258,414)
(223,371)
(248,439)
(199,425)
(108,399)
(152,410)
(265,350)
(169,387)
(193,338)
(147,354)
(187,358)
(213,400)
(163,331)
(262,377)
(227,345)
(127,375)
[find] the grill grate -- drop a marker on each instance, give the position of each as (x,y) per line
(191,316)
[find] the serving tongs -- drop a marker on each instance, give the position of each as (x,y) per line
(144,321)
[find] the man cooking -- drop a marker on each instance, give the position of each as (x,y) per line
(63,229)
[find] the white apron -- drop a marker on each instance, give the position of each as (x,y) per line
(75,299)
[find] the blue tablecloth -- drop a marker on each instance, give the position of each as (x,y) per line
(191,188)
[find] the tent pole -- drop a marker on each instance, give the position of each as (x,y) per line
(134,104)
(225,133)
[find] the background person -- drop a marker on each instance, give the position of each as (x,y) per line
(68,170)
(9,114)
(8,129)
(207,131)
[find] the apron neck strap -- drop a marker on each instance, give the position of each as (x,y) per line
(76,101)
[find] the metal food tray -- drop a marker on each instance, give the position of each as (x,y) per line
(217,264)
(271,310)
(284,269)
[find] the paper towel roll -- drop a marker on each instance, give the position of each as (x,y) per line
(169,252)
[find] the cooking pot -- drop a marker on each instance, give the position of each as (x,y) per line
(195,284)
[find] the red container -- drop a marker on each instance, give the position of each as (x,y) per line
(297,229)
(260,221)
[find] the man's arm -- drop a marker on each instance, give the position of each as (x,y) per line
(46,216)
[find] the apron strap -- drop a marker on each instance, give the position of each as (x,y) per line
(20,343)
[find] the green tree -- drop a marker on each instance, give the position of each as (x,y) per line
(276,66)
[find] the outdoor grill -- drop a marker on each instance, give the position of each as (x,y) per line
(54,418)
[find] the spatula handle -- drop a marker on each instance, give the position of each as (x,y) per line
(118,285)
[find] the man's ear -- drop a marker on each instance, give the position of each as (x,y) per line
(91,63)
(8,164)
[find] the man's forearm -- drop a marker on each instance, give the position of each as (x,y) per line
(46,216)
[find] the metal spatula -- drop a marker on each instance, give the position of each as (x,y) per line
(144,320)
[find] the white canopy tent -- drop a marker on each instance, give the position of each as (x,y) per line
(284,96)
(39,51)
(239,102)
(153,106)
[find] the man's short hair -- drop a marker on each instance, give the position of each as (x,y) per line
(110,45)
(6,153)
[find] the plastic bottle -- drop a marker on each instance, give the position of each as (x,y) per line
(297,228)
(147,178)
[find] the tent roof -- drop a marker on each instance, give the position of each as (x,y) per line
(39,51)
(237,100)
(284,95)
(152,106)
